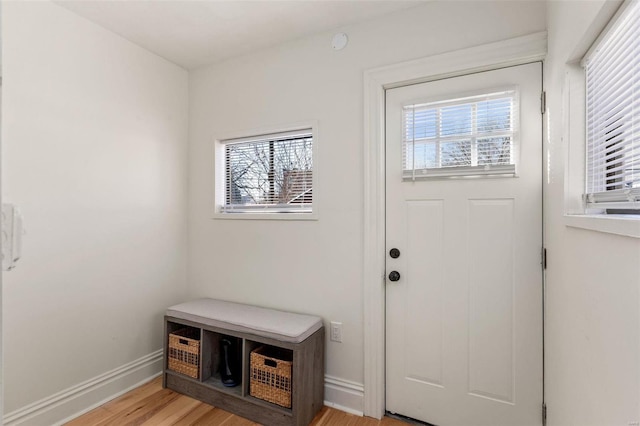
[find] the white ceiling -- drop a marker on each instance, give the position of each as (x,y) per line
(194,33)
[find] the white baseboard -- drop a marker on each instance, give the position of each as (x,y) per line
(65,405)
(70,403)
(344,395)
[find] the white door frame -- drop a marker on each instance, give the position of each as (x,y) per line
(515,51)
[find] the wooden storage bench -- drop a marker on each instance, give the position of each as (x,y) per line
(207,321)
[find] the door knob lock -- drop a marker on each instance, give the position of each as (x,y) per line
(394,253)
(394,276)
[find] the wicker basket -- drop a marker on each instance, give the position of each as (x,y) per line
(271,378)
(184,352)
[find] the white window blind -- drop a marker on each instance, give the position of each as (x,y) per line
(269,173)
(613,114)
(475,135)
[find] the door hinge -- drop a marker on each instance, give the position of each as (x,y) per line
(543,258)
(543,102)
(544,414)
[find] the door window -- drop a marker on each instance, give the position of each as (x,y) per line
(462,136)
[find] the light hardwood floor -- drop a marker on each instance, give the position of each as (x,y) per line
(151,405)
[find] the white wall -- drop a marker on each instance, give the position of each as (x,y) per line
(1,303)
(94,141)
(593,278)
(315,266)
(94,133)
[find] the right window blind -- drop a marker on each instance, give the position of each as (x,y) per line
(613,113)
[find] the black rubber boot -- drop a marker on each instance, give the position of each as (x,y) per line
(227,364)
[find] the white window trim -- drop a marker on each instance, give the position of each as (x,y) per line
(219,171)
(515,51)
(574,116)
(625,225)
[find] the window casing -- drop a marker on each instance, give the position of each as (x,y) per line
(266,174)
(612,83)
(467,136)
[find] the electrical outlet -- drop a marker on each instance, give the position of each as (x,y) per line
(336,331)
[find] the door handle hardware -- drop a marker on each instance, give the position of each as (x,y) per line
(394,253)
(394,276)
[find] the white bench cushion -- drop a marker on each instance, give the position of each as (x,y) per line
(279,325)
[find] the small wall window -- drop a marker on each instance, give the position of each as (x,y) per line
(613,115)
(266,174)
(468,136)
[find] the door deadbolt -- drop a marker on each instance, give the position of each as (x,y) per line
(394,253)
(394,276)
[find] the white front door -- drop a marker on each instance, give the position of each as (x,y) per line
(464,317)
